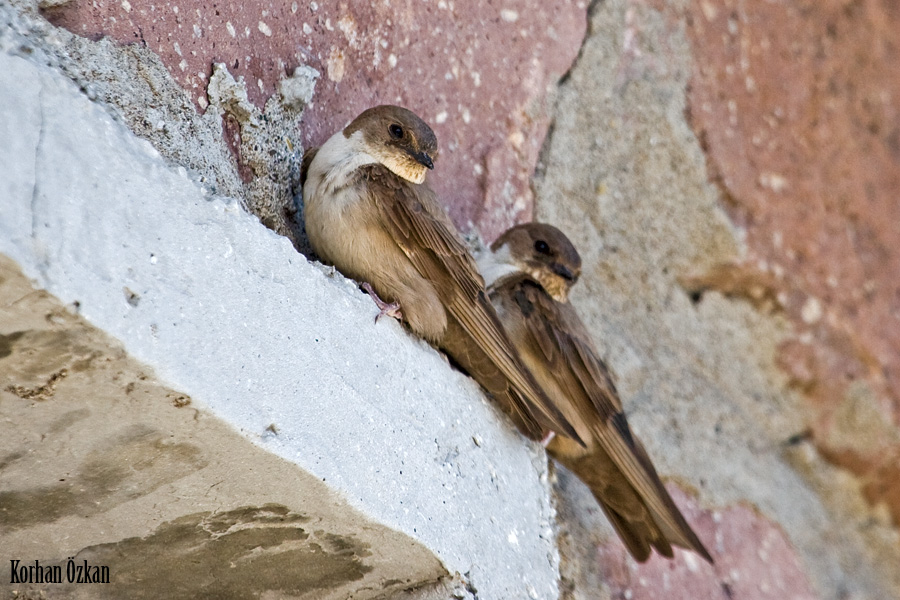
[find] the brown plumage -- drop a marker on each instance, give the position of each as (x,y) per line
(529,271)
(368,213)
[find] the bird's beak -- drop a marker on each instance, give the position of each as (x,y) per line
(563,271)
(423,159)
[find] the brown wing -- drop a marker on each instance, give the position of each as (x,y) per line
(422,230)
(555,345)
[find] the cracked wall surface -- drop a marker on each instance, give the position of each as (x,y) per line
(706,157)
(806,149)
(623,172)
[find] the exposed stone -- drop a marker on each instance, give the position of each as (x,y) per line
(267,159)
(230,96)
(623,174)
(798,108)
(257,164)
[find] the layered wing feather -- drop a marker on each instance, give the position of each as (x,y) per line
(423,231)
(555,345)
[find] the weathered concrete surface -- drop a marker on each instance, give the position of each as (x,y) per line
(477,71)
(135,85)
(624,175)
(102,462)
(698,343)
(229,314)
(798,107)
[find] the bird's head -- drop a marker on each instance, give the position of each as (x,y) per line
(397,138)
(542,252)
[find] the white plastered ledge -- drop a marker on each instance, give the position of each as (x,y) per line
(228,312)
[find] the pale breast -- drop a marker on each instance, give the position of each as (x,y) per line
(344,229)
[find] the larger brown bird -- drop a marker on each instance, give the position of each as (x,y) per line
(529,271)
(369,213)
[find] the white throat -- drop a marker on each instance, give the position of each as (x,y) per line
(496,266)
(339,158)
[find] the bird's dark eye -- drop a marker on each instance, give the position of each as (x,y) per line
(396,131)
(542,247)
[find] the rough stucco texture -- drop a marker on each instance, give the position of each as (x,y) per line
(477,71)
(798,107)
(231,315)
(624,175)
(783,115)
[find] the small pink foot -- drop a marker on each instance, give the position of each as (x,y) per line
(391,309)
(548,438)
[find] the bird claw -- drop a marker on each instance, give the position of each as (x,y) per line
(391,309)
(545,441)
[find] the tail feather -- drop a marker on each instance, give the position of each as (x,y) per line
(638,542)
(637,523)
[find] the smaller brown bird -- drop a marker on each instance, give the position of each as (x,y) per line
(529,271)
(369,212)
